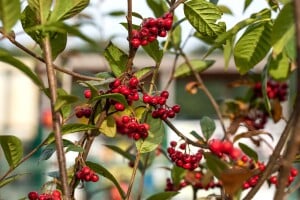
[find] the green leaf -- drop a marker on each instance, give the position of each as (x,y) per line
(64,9)
(162,196)
(74,148)
(225,9)
(252,47)
(12,148)
(49,150)
(153,50)
(155,135)
(63,100)
(283,29)
(41,8)
(158,7)
(144,72)
(58,43)
(115,96)
(117,59)
(248,151)
(265,78)
(29,19)
(198,66)
(203,16)
(247,4)
(208,127)
(105,173)
(9,13)
(215,164)
(11,179)
(8,58)
(109,127)
(70,128)
(279,67)
(177,174)
(197,136)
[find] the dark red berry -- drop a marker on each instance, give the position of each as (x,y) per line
(33,195)
(119,107)
(135,42)
(176,108)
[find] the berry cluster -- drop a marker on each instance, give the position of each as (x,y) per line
(293,173)
(129,126)
(83,111)
(256,119)
(54,195)
(221,148)
(150,29)
(275,90)
(194,178)
(161,111)
(86,174)
(129,89)
(181,158)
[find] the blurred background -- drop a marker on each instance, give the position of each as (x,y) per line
(25,112)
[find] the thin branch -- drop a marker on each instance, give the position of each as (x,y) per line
(34,55)
(294,142)
(135,167)
(206,91)
(176,4)
(56,117)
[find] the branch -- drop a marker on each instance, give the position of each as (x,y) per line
(56,117)
(11,38)
(294,142)
(206,91)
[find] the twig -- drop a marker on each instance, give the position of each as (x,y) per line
(31,53)
(56,117)
(294,142)
(206,91)
(135,167)
(176,4)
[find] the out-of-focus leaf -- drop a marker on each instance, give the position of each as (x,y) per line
(153,50)
(144,72)
(215,164)
(208,127)
(198,66)
(109,127)
(162,196)
(248,151)
(250,134)
(9,13)
(12,148)
(11,179)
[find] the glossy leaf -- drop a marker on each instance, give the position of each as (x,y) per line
(29,20)
(70,128)
(215,164)
(63,100)
(208,127)
(155,135)
(12,148)
(158,7)
(109,127)
(153,50)
(283,30)
(203,16)
(115,96)
(279,67)
(11,179)
(252,47)
(198,66)
(162,196)
(41,8)
(248,151)
(117,59)
(144,72)
(197,136)
(65,9)
(9,13)
(177,174)
(105,173)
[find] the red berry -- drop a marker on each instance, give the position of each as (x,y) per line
(173,143)
(164,94)
(294,172)
(176,108)
(273,180)
(56,193)
(227,147)
(125,119)
(86,170)
(95,178)
(135,42)
(235,153)
(171,114)
(162,33)
(182,146)
(87,93)
(168,24)
(119,107)
(215,145)
(147,98)
(133,82)
(33,195)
